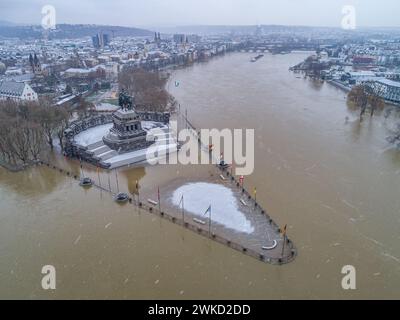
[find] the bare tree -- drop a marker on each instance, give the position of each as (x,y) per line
(394,138)
(26,128)
(366,96)
(46,117)
(84,108)
(63,121)
(147,87)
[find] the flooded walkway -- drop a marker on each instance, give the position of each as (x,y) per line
(334,182)
(265,243)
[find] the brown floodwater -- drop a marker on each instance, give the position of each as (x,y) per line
(334,181)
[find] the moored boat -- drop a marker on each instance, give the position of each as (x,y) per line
(86,182)
(257,58)
(121,198)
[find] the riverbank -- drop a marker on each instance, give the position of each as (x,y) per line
(347,89)
(333,182)
(311,163)
(339,85)
(17,167)
(264,242)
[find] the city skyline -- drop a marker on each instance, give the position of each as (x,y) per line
(157,13)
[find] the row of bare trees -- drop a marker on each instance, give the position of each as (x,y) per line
(148,88)
(366,97)
(27,129)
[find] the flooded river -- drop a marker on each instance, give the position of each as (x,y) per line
(334,181)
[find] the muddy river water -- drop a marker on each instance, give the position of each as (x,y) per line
(334,181)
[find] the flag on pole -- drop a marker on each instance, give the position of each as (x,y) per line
(284,239)
(209,220)
(181,201)
(208,211)
(98,173)
(159,199)
(183,208)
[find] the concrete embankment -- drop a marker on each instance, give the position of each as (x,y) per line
(282,250)
(339,85)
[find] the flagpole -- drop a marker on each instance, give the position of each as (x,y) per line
(209,223)
(137,189)
(183,209)
(116,177)
(159,200)
(98,174)
(81,166)
(284,240)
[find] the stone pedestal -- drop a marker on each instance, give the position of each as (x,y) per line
(127,133)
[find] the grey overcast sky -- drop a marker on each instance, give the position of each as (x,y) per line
(204,12)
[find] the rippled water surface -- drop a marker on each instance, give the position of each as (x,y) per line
(335,182)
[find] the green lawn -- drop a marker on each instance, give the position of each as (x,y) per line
(111,101)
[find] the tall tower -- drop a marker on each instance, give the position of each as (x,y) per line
(34,63)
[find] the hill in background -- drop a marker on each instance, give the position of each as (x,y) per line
(68,31)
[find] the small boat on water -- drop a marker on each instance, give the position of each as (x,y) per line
(86,182)
(223,164)
(257,58)
(121,198)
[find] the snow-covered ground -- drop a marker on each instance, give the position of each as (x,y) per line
(148,125)
(224,206)
(96,134)
(144,155)
(104,106)
(92,135)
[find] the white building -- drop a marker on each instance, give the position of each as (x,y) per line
(390,90)
(81,72)
(112,70)
(359,77)
(17,91)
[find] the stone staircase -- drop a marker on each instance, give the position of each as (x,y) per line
(100,152)
(106,157)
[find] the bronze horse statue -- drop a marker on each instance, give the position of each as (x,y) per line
(125,101)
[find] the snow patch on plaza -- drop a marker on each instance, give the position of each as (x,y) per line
(92,135)
(105,106)
(92,139)
(224,205)
(96,134)
(150,125)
